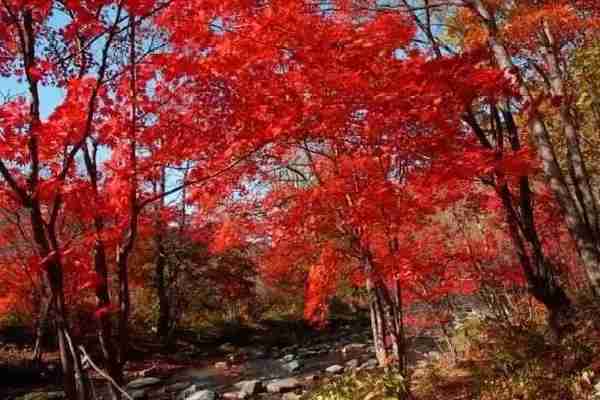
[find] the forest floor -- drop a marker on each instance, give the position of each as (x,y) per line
(484,359)
(493,359)
(269,351)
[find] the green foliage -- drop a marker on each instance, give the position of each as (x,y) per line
(372,385)
(15,318)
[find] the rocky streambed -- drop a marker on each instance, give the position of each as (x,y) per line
(253,372)
(260,371)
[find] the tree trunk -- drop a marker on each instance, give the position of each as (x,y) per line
(73,378)
(164,312)
(377,325)
(104,328)
(584,194)
(160,263)
(538,270)
(42,324)
(124,305)
(584,238)
(386,323)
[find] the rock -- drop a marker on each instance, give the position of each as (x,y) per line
(292,366)
(290,396)
(232,396)
(352,364)
(249,388)
(283,385)
(138,394)
(311,353)
(369,364)
(353,347)
(227,348)
(176,387)
(43,396)
(256,353)
(288,358)
(311,378)
(335,369)
(143,382)
(222,365)
(190,390)
(203,395)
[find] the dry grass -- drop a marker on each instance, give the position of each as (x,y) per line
(508,362)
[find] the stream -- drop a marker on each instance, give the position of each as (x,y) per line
(218,371)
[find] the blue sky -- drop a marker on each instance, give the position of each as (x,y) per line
(50,96)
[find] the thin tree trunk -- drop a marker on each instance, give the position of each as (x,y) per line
(160,262)
(377,325)
(401,333)
(164,312)
(42,324)
(577,167)
(124,297)
(73,379)
(104,330)
(538,270)
(388,333)
(126,246)
(103,303)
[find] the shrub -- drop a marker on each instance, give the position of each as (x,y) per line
(372,385)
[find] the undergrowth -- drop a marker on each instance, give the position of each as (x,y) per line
(493,360)
(515,360)
(367,385)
